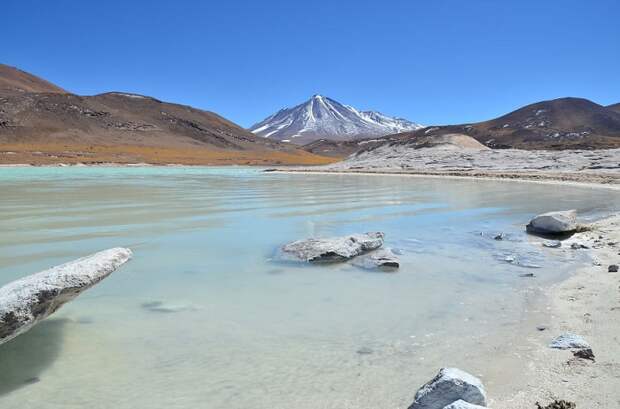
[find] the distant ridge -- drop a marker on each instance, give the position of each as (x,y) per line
(16,80)
(42,123)
(321,117)
(564,123)
(614,107)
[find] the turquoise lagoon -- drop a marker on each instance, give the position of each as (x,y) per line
(204,317)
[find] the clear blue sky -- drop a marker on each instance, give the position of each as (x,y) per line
(433,62)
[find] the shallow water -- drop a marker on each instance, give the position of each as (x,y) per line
(204,317)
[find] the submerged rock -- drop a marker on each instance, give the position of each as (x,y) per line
(554,223)
(527,275)
(333,249)
(569,341)
(160,306)
(448,387)
(25,302)
(521,261)
(461,404)
(383,259)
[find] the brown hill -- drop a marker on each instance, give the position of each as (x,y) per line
(342,149)
(565,123)
(16,80)
(51,127)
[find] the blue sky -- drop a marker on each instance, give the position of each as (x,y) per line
(434,62)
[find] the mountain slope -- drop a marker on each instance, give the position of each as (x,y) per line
(323,118)
(614,107)
(565,123)
(16,80)
(50,127)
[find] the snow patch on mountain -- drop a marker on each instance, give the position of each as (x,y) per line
(323,118)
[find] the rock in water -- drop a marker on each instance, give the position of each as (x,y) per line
(334,249)
(448,387)
(569,341)
(461,404)
(554,223)
(25,302)
(383,259)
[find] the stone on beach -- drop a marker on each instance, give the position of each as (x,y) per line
(569,341)
(554,223)
(448,387)
(379,259)
(461,404)
(27,301)
(332,249)
(552,244)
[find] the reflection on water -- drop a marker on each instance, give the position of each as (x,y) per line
(202,317)
(24,359)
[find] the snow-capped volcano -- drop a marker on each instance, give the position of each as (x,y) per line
(323,118)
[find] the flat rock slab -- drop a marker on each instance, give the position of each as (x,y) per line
(461,404)
(554,223)
(569,341)
(448,387)
(333,249)
(383,259)
(27,301)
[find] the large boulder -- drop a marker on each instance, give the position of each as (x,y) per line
(382,259)
(554,223)
(333,249)
(461,404)
(25,302)
(449,386)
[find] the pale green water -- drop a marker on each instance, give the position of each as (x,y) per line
(250,332)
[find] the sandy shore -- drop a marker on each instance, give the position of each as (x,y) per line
(588,304)
(586,179)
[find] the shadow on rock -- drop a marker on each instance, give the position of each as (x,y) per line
(23,359)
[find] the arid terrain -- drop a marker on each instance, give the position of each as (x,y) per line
(564,123)
(43,124)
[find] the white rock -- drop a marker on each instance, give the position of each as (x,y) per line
(449,386)
(554,222)
(552,244)
(332,249)
(25,302)
(461,404)
(569,341)
(379,259)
